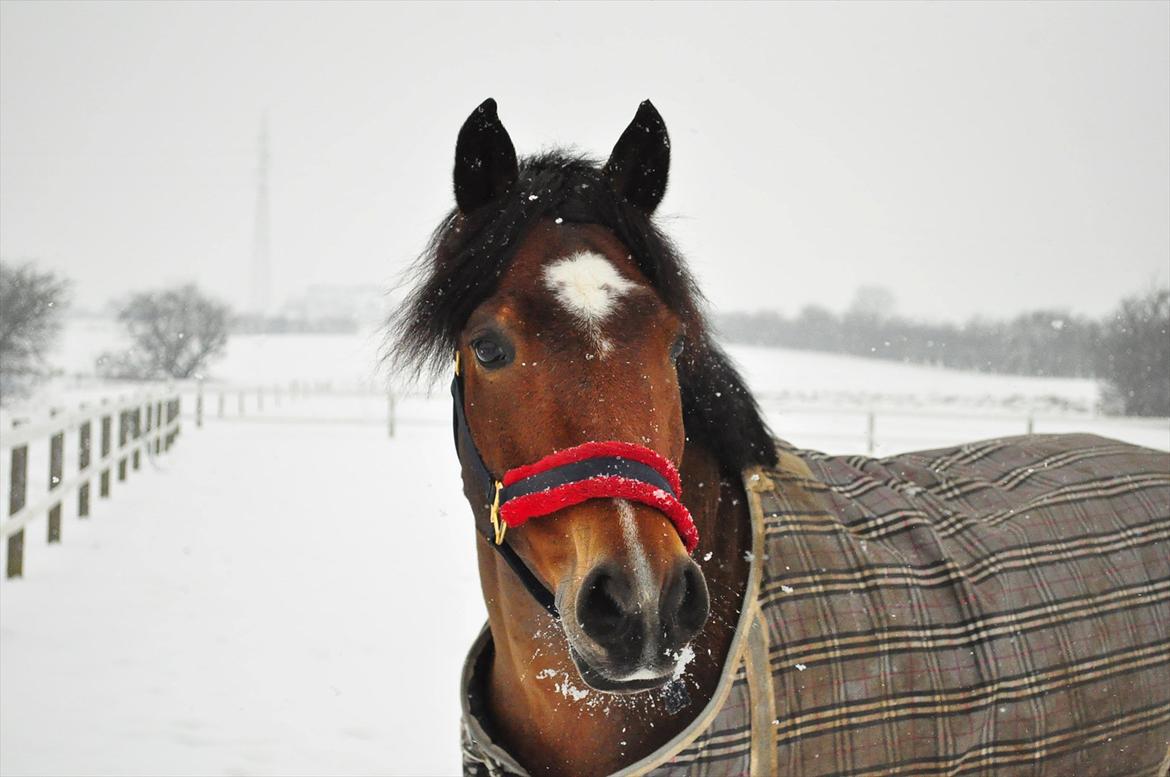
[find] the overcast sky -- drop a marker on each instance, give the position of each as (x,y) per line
(975,158)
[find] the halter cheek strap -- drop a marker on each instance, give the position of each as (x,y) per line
(594,470)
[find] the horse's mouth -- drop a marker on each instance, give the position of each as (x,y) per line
(632,682)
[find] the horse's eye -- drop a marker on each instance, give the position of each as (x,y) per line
(676,348)
(489,353)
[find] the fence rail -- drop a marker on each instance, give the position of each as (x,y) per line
(879,430)
(111,437)
(256,401)
(877,427)
(147,422)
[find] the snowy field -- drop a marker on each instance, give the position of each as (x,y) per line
(292,591)
(265,599)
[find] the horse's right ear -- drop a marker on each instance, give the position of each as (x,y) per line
(485,160)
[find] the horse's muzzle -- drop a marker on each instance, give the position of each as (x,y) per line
(627,643)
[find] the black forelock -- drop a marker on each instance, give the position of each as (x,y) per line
(468,254)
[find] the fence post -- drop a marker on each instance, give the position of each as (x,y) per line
(136,434)
(870,442)
(172,411)
(123,425)
(199,404)
(158,417)
(107,426)
(1031,424)
(17,491)
(390,411)
(83,457)
(56,470)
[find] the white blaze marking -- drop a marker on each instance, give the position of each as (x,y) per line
(589,287)
(642,577)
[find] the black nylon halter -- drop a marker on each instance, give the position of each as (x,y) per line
(487,484)
(600,466)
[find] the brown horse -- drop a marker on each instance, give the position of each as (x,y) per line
(619,474)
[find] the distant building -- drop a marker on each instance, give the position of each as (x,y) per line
(332,308)
(359,305)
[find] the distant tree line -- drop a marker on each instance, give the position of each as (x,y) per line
(1129,349)
(1038,343)
(175,333)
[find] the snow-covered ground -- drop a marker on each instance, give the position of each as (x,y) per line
(265,599)
(292,592)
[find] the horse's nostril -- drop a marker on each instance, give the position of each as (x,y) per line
(696,604)
(685,604)
(606,614)
(599,608)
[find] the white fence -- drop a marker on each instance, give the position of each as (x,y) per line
(876,429)
(147,422)
(106,441)
(297,402)
(882,430)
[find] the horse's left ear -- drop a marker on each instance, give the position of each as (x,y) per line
(640,162)
(485,159)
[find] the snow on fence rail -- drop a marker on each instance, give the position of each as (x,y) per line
(148,422)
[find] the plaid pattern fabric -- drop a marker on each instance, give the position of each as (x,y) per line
(1001,608)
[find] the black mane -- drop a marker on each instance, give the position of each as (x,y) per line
(466,256)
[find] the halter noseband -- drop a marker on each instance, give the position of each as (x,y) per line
(593,470)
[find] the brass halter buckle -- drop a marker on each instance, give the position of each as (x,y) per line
(498,526)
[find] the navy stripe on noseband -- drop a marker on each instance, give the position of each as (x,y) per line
(602,466)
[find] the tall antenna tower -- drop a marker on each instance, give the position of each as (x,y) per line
(261,269)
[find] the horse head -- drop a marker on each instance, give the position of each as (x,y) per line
(584,372)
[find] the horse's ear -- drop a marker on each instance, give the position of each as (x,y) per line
(485,159)
(640,162)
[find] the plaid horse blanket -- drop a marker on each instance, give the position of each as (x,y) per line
(1000,608)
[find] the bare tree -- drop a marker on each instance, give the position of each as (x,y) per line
(1135,353)
(31,303)
(174,334)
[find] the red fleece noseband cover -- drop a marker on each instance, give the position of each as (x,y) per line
(515,512)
